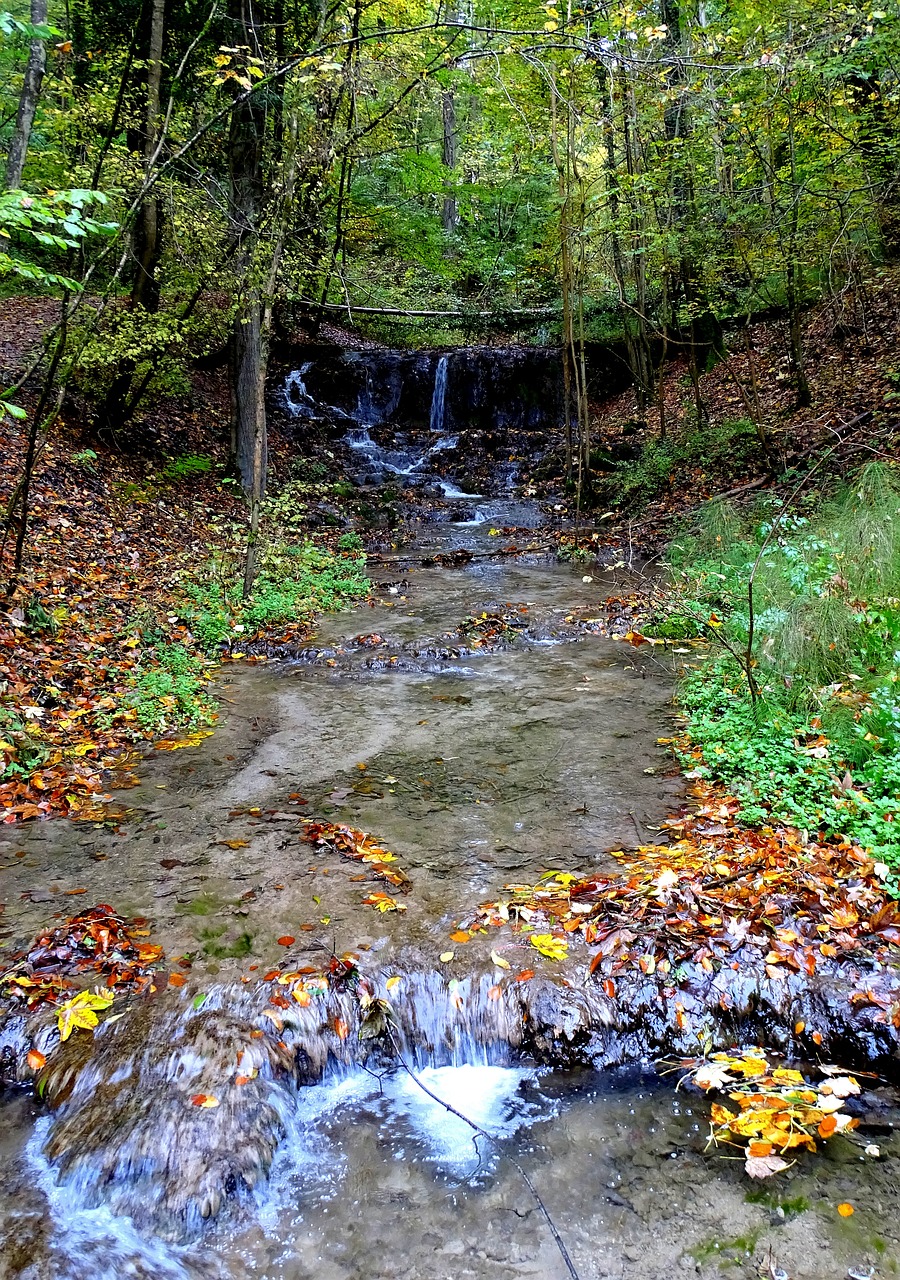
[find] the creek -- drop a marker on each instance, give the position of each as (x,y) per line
(477,765)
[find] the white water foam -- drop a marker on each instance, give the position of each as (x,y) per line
(490,1096)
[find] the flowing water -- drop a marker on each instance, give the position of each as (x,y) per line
(477,764)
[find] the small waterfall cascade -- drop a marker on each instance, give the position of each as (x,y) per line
(439,396)
(401,412)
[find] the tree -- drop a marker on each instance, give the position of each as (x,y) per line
(31,92)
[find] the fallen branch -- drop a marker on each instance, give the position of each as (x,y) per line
(534,312)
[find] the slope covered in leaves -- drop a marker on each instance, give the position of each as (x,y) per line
(129,591)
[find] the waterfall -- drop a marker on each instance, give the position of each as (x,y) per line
(439,395)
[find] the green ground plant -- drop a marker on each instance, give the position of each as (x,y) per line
(295,581)
(170,689)
(797,707)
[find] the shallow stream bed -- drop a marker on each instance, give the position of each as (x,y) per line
(476,765)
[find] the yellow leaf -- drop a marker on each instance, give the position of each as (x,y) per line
(783,1075)
(552,948)
(750,1067)
(499,961)
(446,957)
(81,1011)
(393,982)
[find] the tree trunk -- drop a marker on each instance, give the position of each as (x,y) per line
(148,240)
(450,214)
(28,100)
(248,339)
(250,434)
(123,397)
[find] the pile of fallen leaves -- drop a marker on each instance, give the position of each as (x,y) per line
(779,1110)
(618,616)
(360,846)
(98,593)
(719,889)
(490,630)
(98,943)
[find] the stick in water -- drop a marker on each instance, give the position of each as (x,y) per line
(570,1266)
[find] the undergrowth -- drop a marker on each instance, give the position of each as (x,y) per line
(801,722)
(295,582)
(720,449)
(170,689)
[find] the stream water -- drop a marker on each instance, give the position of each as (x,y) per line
(477,765)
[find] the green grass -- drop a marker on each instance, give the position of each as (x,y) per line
(295,582)
(816,740)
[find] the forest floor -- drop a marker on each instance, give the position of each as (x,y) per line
(850,344)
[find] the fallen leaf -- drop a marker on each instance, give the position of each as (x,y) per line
(286,941)
(764,1166)
(35,1059)
(547,945)
(205,1100)
(81,1011)
(499,961)
(446,957)
(845,1210)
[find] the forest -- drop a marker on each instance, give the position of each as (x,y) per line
(449,639)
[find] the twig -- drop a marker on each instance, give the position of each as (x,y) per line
(570,1266)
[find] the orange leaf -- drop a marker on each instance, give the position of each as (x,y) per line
(286,941)
(177,979)
(494,993)
(845,1210)
(609,987)
(461,935)
(204,1100)
(341,1030)
(35,1059)
(525,976)
(827,1126)
(759,1148)
(271,975)
(242,1079)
